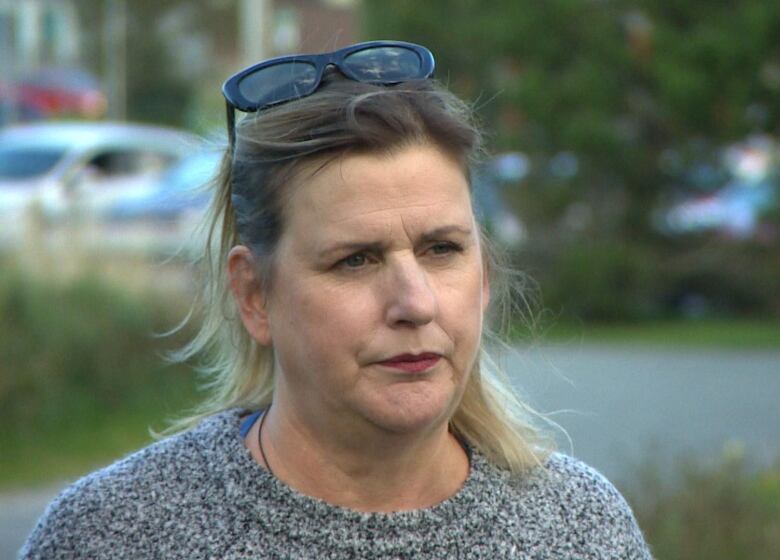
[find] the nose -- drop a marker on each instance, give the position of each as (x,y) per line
(411,299)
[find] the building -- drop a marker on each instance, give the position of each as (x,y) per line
(37,33)
(275,27)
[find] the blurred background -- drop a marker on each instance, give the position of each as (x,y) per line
(634,174)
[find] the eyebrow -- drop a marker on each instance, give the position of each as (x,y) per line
(444,231)
(378,246)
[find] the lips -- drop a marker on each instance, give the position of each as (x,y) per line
(412,363)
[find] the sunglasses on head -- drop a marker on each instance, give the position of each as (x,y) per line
(286,78)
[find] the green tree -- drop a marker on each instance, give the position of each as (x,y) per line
(630,87)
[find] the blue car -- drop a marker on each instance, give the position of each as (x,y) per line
(166,218)
(182,189)
(55,174)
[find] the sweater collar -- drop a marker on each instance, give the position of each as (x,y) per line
(250,486)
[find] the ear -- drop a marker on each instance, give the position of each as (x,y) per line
(248,294)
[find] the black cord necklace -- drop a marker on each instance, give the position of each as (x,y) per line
(458,438)
(260,441)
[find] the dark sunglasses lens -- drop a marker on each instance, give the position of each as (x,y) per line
(385,64)
(281,82)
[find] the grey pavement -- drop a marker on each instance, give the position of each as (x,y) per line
(619,405)
(624,405)
(18,512)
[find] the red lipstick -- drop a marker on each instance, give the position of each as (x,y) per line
(412,363)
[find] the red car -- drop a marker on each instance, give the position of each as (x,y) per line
(54,92)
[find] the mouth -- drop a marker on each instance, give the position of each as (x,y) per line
(412,363)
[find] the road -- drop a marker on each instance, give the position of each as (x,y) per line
(619,405)
(18,512)
(623,405)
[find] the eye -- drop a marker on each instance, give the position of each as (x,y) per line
(356,260)
(445,248)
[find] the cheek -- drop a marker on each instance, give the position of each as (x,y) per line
(325,319)
(462,304)
(465,290)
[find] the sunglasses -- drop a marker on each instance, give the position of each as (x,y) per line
(286,78)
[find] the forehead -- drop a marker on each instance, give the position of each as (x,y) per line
(416,184)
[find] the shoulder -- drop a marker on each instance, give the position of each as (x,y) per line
(579,510)
(122,502)
(575,484)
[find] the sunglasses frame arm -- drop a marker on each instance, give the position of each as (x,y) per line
(231,125)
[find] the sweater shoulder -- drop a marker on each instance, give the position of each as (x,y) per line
(578,507)
(576,481)
(117,502)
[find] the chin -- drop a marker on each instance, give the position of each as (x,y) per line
(412,412)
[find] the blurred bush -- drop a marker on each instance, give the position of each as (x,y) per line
(718,512)
(608,281)
(74,353)
(721,279)
(614,280)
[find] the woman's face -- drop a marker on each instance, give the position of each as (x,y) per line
(378,291)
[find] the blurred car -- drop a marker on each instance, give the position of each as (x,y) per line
(180,190)
(743,192)
(55,172)
(165,218)
(734,210)
(53,92)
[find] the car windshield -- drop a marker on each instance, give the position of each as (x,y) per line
(192,173)
(27,163)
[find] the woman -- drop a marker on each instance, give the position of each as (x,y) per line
(352,412)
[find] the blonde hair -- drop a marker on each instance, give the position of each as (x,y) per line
(248,208)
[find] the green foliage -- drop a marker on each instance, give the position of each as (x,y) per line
(735,279)
(75,355)
(722,512)
(619,83)
(600,280)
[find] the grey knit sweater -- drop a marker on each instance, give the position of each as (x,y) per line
(201,495)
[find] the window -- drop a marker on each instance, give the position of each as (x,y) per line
(115,163)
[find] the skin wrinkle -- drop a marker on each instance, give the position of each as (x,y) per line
(392,205)
(332,249)
(387,156)
(388,227)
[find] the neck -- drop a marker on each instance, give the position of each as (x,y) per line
(382,472)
